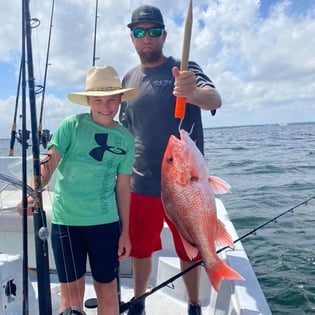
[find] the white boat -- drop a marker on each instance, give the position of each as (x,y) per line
(234,298)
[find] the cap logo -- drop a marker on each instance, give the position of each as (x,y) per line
(145,14)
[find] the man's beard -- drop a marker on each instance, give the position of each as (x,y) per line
(150,56)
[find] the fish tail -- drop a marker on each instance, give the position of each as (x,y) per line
(220,272)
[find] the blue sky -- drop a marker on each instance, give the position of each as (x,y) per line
(296,7)
(260,54)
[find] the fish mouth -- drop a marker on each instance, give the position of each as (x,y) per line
(183,135)
(173,138)
(175,143)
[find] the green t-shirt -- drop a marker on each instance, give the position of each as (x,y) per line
(92,157)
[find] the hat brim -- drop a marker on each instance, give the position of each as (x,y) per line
(81,97)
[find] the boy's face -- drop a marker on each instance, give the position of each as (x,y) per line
(104,109)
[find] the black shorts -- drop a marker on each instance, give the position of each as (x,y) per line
(73,244)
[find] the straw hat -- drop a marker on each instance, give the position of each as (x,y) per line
(102,81)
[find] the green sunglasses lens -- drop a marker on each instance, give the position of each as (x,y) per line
(138,32)
(153,32)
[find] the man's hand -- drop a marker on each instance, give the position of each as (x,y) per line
(185,83)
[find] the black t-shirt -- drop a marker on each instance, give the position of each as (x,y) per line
(150,118)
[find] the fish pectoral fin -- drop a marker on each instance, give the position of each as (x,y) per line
(191,250)
(218,185)
(222,236)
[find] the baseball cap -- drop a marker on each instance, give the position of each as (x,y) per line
(146,13)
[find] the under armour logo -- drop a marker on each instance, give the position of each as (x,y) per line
(98,152)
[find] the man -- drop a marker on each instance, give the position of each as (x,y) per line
(150,118)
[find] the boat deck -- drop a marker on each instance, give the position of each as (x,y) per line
(234,298)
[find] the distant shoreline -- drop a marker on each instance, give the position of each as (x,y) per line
(246,126)
(261,125)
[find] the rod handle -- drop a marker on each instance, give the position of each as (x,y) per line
(180,107)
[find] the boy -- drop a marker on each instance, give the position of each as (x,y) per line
(93,156)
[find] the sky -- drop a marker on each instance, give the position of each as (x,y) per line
(259,54)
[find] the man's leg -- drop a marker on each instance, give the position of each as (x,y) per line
(192,278)
(146,223)
(191,281)
(142,268)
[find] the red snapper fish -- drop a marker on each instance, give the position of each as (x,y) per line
(188,199)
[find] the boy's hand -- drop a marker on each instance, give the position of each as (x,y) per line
(124,247)
(30,204)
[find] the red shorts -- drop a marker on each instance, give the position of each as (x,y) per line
(147,217)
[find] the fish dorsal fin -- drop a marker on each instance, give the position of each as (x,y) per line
(218,185)
(222,236)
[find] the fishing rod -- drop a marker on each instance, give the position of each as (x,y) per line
(39,216)
(125,306)
(13,128)
(95,29)
(23,135)
(45,135)
(180,105)
(24,171)
(92,302)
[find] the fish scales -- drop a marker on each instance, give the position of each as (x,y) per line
(189,201)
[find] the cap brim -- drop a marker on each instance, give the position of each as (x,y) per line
(81,98)
(131,25)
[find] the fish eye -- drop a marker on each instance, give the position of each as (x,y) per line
(169,160)
(194,178)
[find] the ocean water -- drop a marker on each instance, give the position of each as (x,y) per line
(271,169)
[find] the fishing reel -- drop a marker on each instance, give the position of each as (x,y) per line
(73,311)
(23,137)
(45,137)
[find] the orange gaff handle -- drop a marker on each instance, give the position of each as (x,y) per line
(180,107)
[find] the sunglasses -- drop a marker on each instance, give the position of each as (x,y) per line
(152,31)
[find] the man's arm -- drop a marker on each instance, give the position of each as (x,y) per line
(205,97)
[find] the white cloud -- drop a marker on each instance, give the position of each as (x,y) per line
(263,65)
